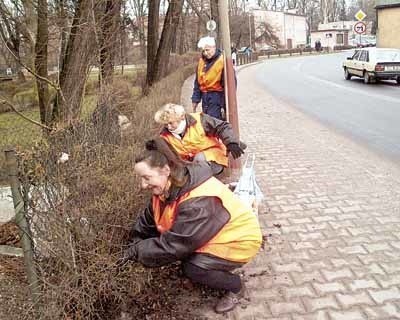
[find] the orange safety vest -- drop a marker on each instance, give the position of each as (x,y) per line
(210,80)
(239,240)
(195,140)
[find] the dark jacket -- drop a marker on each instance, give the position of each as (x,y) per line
(197,95)
(212,127)
(197,221)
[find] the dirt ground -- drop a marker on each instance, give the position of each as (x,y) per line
(168,296)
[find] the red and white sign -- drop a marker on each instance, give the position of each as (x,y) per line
(360,27)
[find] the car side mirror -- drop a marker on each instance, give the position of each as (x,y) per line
(349,58)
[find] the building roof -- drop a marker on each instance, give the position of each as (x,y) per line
(380,4)
(336,30)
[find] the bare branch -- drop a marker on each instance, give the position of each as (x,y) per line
(51,83)
(3,101)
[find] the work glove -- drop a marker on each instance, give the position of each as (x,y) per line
(235,150)
(128,255)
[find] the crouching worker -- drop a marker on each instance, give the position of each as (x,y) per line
(194,218)
(198,137)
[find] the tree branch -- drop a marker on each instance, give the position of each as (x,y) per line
(3,101)
(51,83)
(193,6)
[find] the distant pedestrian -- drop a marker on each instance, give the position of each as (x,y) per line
(234,56)
(209,84)
(318,46)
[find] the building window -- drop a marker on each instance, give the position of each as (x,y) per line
(339,38)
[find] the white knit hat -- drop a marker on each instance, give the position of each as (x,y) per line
(206,41)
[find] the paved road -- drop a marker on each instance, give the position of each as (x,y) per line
(369,114)
(331,222)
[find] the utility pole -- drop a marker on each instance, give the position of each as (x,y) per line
(230,87)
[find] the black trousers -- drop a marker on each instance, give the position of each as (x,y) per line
(216,279)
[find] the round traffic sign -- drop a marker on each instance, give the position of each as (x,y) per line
(211,25)
(360,27)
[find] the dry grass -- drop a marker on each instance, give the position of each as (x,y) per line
(82,211)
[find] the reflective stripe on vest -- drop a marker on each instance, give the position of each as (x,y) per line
(195,141)
(239,240)
(210,80)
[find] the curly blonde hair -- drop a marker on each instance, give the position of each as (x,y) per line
(169,112)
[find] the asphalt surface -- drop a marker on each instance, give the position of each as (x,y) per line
(369,114)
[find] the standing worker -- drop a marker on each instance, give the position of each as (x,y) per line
(198,137)
(194,218)
(209,82)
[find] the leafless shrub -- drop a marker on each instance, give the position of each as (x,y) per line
(81,210)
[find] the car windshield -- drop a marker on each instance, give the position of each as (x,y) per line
(388,56)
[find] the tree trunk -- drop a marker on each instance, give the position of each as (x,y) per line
(76,62)
(109,27)
(215,17)
(11,36)
(182,33)
(170,25)
(30,27)
(62,22)
(152,40)
(42,38)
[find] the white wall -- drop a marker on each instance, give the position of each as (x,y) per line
(286,26)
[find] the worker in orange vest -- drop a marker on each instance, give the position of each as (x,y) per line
(208,84)
(193,218)
(198,137)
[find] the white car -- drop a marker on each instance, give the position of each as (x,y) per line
(373,64)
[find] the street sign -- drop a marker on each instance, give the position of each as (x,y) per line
(360,15)
(360,27)
(211,25)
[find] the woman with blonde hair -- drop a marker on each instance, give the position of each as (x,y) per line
(198,137)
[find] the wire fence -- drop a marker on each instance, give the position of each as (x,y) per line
(17,132)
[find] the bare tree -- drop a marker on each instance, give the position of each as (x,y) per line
(267,34)
(139,10)
(158,67)
(10,32)
(76,62)
(152,39)
(42,37)
(108,24)
(168,33)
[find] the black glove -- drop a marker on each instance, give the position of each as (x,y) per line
(130,254)
(235,150)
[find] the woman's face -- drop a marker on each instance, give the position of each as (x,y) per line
(209,51)
(173,124)
(154,179)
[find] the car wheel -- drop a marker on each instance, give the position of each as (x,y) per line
(367,78)
(398,80)
(347,75)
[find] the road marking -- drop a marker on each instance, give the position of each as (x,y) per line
(358,91)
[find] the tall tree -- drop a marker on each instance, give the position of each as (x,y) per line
(10,33)
(158,67)
(108,26)
(42,38)
(152,39)
(139,10)
(76,62)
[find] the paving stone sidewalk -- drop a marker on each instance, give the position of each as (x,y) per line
(332,218)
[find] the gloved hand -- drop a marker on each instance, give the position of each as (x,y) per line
(235,150)
(130,254)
